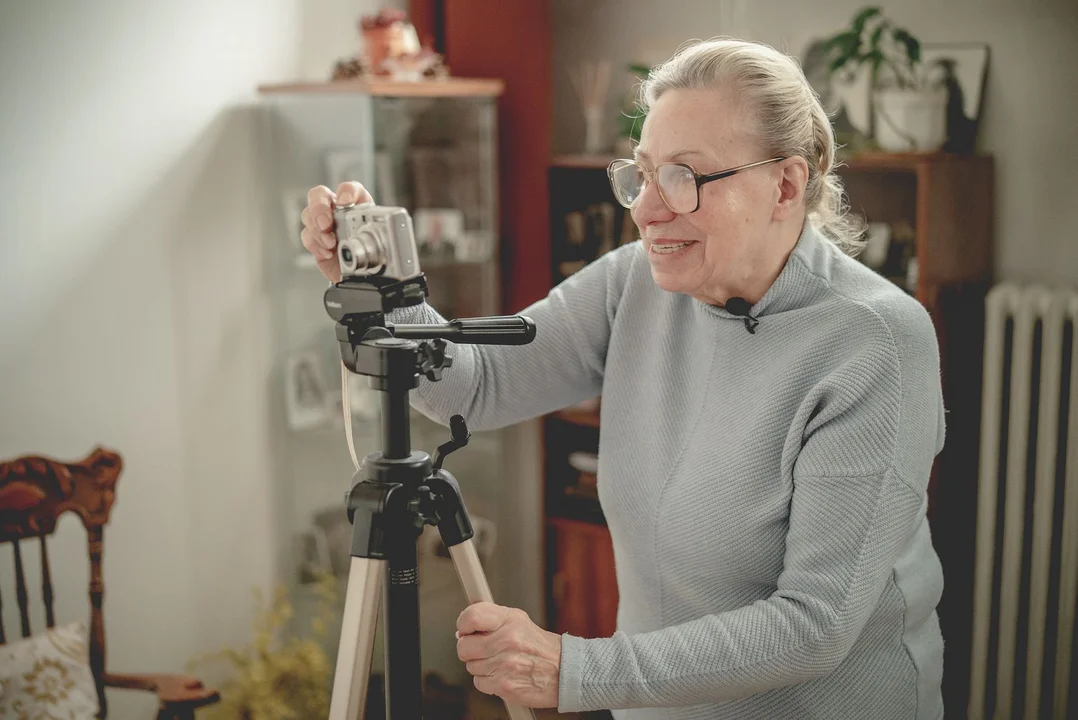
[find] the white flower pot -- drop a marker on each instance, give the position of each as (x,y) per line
(910,120)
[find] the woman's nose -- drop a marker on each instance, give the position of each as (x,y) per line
(649,207)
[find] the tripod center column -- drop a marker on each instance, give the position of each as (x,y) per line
(400,362)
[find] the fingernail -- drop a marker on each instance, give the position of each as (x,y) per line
(456,635)
(344,199)
(327,240)
(324,222)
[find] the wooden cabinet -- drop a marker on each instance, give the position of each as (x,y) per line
(581,586)
(583,589)
(946,205)
(939,208)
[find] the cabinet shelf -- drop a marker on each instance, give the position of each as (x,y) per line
(586,162)
(448,87)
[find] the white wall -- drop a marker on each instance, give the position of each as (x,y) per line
(1031,98)
(132,312)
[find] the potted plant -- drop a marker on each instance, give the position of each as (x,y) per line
(909,104)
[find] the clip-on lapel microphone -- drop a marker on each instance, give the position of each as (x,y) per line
(740,306)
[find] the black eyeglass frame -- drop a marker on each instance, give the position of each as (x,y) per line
(701,179)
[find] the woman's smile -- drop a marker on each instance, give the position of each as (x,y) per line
(669,248)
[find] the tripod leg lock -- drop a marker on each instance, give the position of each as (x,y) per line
(376,511)
(453,523)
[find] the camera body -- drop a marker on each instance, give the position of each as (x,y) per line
(376,240)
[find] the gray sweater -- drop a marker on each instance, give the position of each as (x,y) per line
(765,492)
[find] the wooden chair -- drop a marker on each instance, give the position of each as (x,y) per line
(34,492)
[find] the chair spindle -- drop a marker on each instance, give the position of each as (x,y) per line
(3,640)
(20,591)
(46,585)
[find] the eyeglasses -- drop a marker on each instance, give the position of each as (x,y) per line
(679,184)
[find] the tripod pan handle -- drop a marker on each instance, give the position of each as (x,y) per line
(492,330)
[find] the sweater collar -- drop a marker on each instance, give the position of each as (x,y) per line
(791,289)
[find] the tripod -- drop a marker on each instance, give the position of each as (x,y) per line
(398,491)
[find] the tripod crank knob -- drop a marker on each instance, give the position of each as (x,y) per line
(460,436)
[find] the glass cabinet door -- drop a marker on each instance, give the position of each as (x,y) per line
(435,155)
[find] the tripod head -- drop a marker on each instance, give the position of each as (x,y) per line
(379,264)
(359,304)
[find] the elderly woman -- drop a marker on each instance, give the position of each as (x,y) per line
(771,410)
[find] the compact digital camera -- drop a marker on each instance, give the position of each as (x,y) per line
(376,240)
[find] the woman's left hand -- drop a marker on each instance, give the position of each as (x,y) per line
(509,655)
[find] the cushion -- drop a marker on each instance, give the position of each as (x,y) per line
(48,677)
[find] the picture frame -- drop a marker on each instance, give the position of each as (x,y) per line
(438,231)
(963,69)
(306,392)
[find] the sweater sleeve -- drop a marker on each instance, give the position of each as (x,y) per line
(494,386)
(859,459)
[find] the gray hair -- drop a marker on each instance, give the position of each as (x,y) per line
(789,117)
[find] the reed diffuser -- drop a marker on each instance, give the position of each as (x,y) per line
(591,81)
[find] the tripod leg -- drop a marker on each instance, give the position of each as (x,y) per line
(474,580)
(349,698)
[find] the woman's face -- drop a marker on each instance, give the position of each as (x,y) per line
(732,237)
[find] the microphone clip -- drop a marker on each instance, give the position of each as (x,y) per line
(739,306)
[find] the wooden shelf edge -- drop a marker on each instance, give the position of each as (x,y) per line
(901,162)
(581,161)
(448,87)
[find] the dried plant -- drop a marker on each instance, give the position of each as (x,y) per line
(277,676)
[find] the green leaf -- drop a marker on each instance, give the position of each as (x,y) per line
(842,48)
(912,44)
(838,40)
(639,69)
(863,17)
(876,35)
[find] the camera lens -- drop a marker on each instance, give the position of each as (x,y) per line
(360,253)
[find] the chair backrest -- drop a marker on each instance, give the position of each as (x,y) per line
(34,492)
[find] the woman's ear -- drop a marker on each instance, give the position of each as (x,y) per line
(791,188)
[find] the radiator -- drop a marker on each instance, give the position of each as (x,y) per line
(1026,544)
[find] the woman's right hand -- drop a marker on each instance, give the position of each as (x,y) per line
(319,236)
